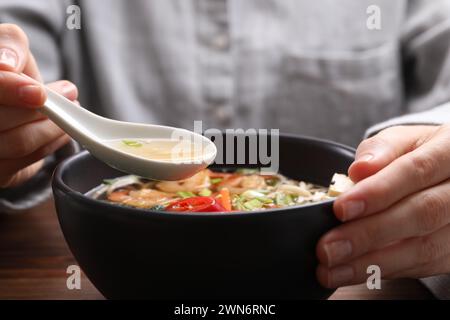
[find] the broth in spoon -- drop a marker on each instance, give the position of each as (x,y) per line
(169,150)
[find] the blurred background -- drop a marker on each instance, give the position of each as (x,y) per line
(325,68)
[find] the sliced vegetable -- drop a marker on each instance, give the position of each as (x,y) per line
(108,181)
(158,207)
(185,194)
(283,199)
(253,194)
(265,200)
(279,199)
(132,143)
(289,199)
(215,180)
(121,182)
(196,204)
(272,181)
(247,171)
(297,190)
(253,204)
(225,199)
(205,192)
(242,190)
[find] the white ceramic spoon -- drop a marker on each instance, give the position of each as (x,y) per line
(93,131)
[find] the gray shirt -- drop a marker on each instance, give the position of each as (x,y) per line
(307,67)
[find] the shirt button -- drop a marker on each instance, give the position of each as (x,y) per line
(222,114)
(221,42)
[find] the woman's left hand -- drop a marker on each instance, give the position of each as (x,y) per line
(397,216)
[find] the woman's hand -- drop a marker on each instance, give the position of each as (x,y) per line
(26,135)
(398,214)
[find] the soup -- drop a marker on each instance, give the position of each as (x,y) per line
(212,191)
(159,149)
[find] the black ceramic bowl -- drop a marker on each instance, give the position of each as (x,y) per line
(134,253)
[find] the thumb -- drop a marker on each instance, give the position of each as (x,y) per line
(14,50)
(377,152)
(65,88)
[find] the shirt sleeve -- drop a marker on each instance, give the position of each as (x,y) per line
(436,116)
(37,189)
(426,55)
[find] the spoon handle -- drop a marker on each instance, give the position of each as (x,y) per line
(66,114)
(69,116)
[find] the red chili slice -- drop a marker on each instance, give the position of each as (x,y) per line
(196,204)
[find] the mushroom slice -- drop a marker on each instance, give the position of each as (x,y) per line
(340,183)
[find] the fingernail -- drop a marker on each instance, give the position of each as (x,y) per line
(365,157)
(340,276)
(338,251)
(67,88)
(352,209)
(30,94)
(8,57)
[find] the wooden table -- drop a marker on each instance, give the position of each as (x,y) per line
(34,258)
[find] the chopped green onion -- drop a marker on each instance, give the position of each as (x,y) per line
(216,180)
(247,171)
(272,182)
(158,207)
(132,143)
(251,194)
(109,181)
(239,205)
(288,199)
(282,199)
(265,199)
(205,193)
(185,194)
(253,204)
(279,199)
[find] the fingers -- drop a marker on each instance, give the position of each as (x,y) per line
(392,260)
(15,117)
(423,167)
(26,136)
(24,140)
(16,171)
(407,185)
(377,152)
(18,91)
(417,215)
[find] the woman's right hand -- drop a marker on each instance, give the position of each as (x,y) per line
(26,135)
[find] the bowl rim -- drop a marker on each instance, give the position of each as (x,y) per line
(58,183)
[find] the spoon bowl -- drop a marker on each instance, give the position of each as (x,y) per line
(94,132)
